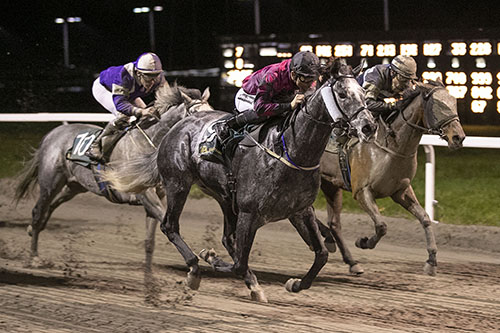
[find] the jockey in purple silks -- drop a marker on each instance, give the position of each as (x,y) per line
(120,89)
(271,91)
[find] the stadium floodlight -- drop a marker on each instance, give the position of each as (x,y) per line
(64,22)
(141,10)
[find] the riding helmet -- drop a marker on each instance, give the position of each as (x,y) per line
(305,63)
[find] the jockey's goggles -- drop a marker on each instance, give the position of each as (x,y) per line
(306,79)
(148,76)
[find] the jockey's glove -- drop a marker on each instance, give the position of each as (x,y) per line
(140,112)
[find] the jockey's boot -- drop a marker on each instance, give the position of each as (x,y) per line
(97,149)
(223,129)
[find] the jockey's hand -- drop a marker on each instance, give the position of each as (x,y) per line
(147,112)
(297,100)
(410,93)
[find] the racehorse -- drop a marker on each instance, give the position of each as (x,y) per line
(60,179)
(386,166)
(266,187)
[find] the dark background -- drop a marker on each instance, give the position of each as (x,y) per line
(187,32)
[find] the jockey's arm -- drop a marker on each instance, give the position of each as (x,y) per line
(373,101)
(263,104)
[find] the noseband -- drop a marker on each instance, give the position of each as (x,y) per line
(345,121)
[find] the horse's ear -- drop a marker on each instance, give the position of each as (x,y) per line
(206,94)
(359,68)
(186,98)
(438,80)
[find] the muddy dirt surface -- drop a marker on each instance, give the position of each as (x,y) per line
(92,279)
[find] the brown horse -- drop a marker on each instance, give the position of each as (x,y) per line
(386,166)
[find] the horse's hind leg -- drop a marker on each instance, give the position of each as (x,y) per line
(367,202)
(333,196)
(154,208)
(305,221)
(177,191)
(409,201)
(49,199)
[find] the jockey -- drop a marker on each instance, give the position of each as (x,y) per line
(389,80)
(271,91)
(120,89)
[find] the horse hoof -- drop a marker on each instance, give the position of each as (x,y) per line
(37,262)
(29,230)
(293,285)
(258,296)
(207,255)
(361,242)
(193,281)
(429,269)
(330,246)
(356,269)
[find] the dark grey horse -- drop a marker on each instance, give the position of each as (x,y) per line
(60,179)
(386,166)
(267,189)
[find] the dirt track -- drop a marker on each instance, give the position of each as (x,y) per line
(93,279)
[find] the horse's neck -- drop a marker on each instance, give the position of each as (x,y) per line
(406,138)
(306,139)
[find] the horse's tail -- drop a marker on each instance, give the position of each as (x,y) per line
(136,175)
(28,177)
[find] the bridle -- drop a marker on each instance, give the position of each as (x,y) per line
(345,121)
(430,130)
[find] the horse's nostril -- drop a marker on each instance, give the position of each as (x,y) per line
(458,139)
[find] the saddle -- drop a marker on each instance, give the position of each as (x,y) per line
(212,149)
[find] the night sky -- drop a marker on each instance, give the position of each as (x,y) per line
(187,30)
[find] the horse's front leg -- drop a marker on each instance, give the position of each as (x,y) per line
(367,202)
(409,201)
(333,196)
(305,223)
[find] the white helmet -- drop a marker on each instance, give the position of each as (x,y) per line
(148,63)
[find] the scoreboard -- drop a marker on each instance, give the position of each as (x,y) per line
(468,63)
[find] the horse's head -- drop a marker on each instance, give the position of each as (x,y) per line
(345,100)
(440,113)
(176,102)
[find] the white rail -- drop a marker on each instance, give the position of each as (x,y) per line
(428,141)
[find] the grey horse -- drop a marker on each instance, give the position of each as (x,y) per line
(386,166)
(267,187)
(60,179)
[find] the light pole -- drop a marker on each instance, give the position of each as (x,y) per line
(65,22)
(149,11)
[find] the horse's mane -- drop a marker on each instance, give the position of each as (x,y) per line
(332,67)
(170,95)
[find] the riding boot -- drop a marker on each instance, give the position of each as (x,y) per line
(97,149)
(234,123)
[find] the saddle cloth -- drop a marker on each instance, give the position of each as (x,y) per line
(81,144)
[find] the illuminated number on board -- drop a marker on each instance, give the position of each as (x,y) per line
(432,76)
(457,91)
(480,48)
(481,92)
(238,51)
(481,78)
(366,50)
(498,78)
(306,48)
(324,51)
(432,49)
(386,50)
(343,50)
(458,49)
(478,106)
(456,78)
(498,106)
(409,49)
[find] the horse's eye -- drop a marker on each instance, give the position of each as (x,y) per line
(342,95)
